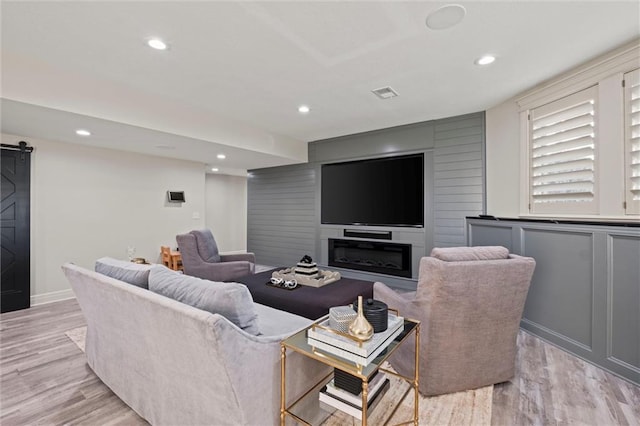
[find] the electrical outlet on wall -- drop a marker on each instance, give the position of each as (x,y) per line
(195,215)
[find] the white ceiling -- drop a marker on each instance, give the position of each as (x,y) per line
(236,72)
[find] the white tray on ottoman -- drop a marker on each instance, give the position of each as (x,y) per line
(324,277)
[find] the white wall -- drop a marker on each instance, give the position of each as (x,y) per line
(226,207)
(90,202)
(503,160)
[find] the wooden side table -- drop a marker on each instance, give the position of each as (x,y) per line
(171,259)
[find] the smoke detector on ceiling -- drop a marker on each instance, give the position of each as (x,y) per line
(385,93)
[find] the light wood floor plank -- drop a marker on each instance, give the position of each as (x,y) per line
(44,376)
(553,387)
(44,379)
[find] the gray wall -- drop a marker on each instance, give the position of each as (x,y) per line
(454,188)
(458,177)
(585,292)
(281,214)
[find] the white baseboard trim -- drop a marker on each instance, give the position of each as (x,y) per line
(54,296)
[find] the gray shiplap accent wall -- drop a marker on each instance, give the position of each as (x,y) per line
(585,291)
(454,187)
(281,214)
(458,176)
(394,140)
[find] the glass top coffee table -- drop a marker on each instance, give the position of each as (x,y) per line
(356,370)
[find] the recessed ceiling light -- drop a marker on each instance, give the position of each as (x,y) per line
(445,17)
(83,132)
(214,169)
(156,43)
(221,156)
(485,60)
(303,109)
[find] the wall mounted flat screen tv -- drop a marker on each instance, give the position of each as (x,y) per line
(385,191)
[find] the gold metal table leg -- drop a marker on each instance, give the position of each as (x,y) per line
(365,396)
(417,374)
(283,360)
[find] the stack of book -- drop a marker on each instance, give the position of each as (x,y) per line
(348,348)
(351,404)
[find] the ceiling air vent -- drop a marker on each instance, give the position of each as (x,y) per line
(385,93)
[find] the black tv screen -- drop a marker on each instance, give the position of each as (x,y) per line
(383,191)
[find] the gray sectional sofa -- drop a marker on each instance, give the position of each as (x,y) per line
(174,363)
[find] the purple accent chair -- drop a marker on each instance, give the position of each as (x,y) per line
(200,258)
(469,301)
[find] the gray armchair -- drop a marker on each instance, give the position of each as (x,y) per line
(469,301)
(200,258)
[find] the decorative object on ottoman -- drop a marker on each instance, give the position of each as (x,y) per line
(288,284)
(307,267)
(376,312)
(340,317)
(360,327)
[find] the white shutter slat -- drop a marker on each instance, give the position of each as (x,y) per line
(562,151)
(558,168)
(569,134)
(583,108)
(581,187)
(569,145)
(583,121)
(558,178)
(632,142)
(585,156)
(563,197)
(563,126)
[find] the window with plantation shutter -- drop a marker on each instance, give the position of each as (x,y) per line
(632,141)
(562,140)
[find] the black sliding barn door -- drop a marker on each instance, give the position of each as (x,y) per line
(15,230)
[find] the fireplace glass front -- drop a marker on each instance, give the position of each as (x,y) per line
(372,256)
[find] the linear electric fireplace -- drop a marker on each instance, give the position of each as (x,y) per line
(372,256)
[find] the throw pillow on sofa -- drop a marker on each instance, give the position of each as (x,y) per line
(231,300)
(129,272)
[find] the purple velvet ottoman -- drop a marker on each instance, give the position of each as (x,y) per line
(309,302)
